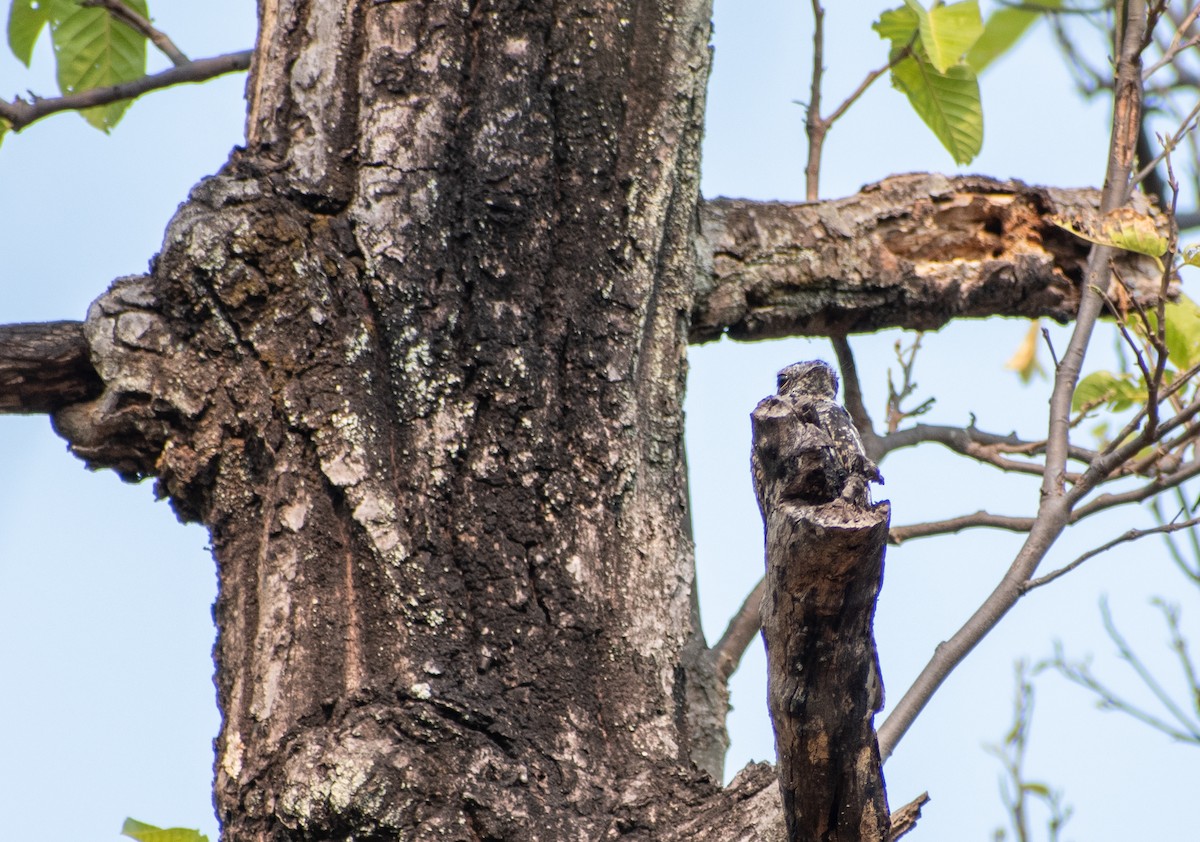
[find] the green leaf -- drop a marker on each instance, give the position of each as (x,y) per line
(1004,29)
(1036,788)
(95,51)
(25,21)
(947,102)
(1118,391)
(898,26)
(1182,332)
(947,32)
(149,833)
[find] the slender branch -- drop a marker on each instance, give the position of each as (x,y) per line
(813,124)
(1172,548)
(20,112)
(728,651)
(1011,523)
(1130,657)
(1178,44)
(983,447)
(817,126)
(1161,483)
(1054,509)
(867,81)
(1130,535)
(136,22)
(853,398)
(1185,126)
(900,534)
(1179,647)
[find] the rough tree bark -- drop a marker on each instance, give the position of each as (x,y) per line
(416,359)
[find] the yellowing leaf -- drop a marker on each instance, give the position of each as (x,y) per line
(1123,228)
(1025,362)
(1191,256)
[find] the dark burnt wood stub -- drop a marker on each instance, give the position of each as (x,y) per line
(824,550)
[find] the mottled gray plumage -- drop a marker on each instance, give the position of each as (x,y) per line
(813,379)
(812,387)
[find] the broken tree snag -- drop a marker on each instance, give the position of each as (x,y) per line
(912,251)
(44,367)
(825,543)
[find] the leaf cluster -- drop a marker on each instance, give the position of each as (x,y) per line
(937,54)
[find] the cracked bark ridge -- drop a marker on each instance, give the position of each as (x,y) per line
(912,251)
(824,548)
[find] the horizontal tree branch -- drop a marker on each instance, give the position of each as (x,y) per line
(21,112)
(912,251)
(44,367)
(900,534)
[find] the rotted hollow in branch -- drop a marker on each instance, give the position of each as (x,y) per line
(825,543)
(912,251)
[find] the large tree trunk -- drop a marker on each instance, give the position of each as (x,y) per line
(416,359)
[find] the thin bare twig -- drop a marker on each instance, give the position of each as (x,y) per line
(1178,43)
(1130,535)
(1080,673)
(1017,792)
(1185,126)
(1179,647)
(907,358)
(900,534)
(1160,483)
(817,126)
(1173,549)
(136,22)
(1164,482)
(20,112)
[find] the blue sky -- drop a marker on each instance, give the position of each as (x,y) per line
(105,628)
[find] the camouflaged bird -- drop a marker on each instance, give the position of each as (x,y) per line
(811,388)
